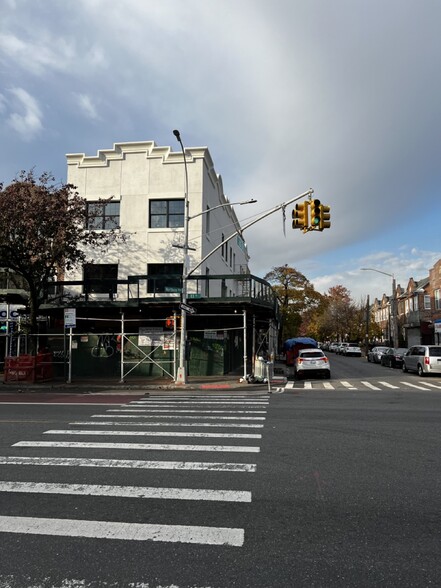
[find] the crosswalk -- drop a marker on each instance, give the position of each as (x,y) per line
(423,385)
(225,431)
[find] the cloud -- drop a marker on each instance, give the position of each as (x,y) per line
(86,105)
(28,123)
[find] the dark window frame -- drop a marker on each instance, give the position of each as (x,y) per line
(164,278)
(102,219)
(103,278)
(170,216)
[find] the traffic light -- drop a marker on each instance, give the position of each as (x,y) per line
(3,328)
(315,214)
(300,215)
(325,217)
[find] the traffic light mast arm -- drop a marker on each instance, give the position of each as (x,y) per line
(309,193)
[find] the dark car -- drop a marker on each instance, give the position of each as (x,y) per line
(393,357)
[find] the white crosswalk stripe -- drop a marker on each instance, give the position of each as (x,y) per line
(415,386)
(371,386)
(358,385)
(122,531)
(189,417)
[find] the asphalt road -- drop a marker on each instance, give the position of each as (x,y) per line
(344,489)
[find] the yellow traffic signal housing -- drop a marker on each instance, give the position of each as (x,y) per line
(325,217)
(300,215)
(315,214)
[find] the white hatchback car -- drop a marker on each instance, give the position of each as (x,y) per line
(312,361)
(352,349)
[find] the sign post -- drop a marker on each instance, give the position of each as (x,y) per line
(70,322)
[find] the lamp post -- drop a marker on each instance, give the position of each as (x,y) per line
(181,376)
(393,310)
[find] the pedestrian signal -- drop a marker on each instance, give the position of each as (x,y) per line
(300,215)
(170,322)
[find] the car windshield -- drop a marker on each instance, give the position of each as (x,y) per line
(310,354)
(400,350)
(435,351)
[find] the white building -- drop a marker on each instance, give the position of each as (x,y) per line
(147,185)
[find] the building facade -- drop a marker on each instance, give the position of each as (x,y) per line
(147,186)
(418,311)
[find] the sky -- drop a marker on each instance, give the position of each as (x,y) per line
(342,97)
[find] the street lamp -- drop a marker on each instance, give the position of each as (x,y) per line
(393,312)
(181,376)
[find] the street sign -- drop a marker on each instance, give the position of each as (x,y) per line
(188,309)
(70,318)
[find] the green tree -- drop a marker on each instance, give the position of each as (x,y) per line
(296,295)
(43,233)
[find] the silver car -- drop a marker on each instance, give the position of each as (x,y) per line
(376,353)
(423,359)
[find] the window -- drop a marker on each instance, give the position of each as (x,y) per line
(207,220)
(427,304)
(437,299)
(166,214)
(100,278)
(102,215)
(223,246)
(164,277)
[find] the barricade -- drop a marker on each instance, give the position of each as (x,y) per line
(29,368)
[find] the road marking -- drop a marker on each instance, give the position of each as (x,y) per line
(129,463)
(127,491)
(122,531)
(168,424)
(142,416)
(155,434)
(307,385)
(289,385)
(348,385)
(328,385)
(230,396)
(414,386)
(371,386)
(389,385)
(191,402)
(162,410)
(431,385)
(139,446)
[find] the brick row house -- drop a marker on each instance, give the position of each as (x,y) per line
(418,311)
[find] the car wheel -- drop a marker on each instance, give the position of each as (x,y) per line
(328,375)
(404,368)
(420,371)
(369,359)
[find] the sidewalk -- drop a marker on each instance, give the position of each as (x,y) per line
(140,386)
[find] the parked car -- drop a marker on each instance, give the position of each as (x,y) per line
(341,347)
(375,354)
(333,346)
(352,349)
(312,361)
(423,359)
(393,357)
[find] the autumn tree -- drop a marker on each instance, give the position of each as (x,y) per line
(43,233)
(296,295)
